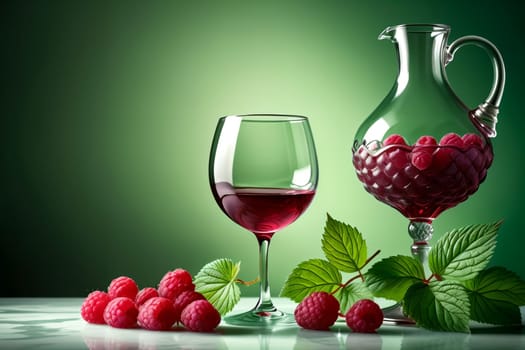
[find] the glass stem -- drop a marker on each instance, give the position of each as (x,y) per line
(421,232)
(265,300)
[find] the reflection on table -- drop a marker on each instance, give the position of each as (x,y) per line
(55,323)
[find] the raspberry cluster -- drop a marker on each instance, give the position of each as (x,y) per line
(428,152)
(423,179)
(320,310)
(174,301)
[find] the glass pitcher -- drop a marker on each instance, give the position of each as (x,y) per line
(422,150)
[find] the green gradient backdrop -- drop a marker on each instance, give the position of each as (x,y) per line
(108,110)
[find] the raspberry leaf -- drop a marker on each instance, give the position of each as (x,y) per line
(351,293)
(492,311)
(439,305)
(217,282)
(343,245)
(495,296)
(315,275)
(390,278)
(498,283)
(462,253)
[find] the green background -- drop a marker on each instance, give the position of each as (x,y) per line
(109,108)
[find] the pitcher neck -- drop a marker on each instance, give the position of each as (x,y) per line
(420,50)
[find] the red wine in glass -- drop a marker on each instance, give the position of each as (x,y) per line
(262,211)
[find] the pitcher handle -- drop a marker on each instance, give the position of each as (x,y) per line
(486,113)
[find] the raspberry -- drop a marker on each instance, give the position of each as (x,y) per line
(184,299)
(472,139)
(394,139)
(365,316)
(421,156)
(175,282)
(451,139)
(444,155)
(121,312)
(92,309)
(398,157)
(123,287)
(157,314)
(426,141)
(317,311)
(200,316)
(421,159)
(144,295)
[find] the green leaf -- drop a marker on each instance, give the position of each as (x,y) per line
(498,283)
(353,292)
(343,245)
(438,306)
(391,277)
(310,276)
(217,282)
(462,253)
(492,311)
(495,295)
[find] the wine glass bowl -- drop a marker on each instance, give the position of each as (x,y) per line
(263,174)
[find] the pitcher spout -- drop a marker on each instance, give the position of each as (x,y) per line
(388,33)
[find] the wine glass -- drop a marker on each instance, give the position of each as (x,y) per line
(263,174)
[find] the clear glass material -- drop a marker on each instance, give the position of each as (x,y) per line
(263,173)
(422,151)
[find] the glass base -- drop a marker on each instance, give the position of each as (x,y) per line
(261,319)
(394,315)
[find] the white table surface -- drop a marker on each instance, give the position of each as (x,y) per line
(55,323)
